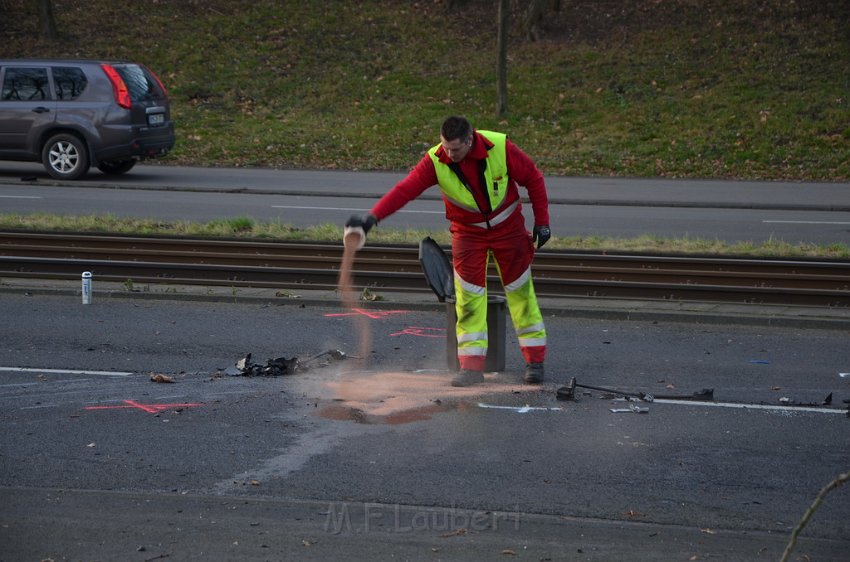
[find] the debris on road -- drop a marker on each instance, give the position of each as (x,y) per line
(334,354)
(161,378)
(568,393)
(244,367)
(633,409)
(279,366)
(827,401)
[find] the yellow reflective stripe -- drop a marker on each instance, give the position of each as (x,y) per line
(518,283)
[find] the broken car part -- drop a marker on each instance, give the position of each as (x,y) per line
(568,392)
(278,366)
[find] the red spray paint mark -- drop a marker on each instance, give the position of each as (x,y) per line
(150,408)
(422,332)
(374,314)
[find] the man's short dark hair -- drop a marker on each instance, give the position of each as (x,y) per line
(456,127)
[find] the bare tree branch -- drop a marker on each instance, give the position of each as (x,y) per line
(839,480)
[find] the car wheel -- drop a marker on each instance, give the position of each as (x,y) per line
(116,167)
(65,157)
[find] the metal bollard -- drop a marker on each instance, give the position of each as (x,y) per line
(87,287)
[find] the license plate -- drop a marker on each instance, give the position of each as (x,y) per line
(156,119)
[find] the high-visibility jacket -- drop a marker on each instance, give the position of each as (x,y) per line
(457,190)
(424,175)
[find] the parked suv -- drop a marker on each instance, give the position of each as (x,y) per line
(73,114)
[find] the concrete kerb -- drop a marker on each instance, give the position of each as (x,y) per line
(694,312)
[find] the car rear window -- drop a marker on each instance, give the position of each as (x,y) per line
(141,84)
(69,82)
(25,84)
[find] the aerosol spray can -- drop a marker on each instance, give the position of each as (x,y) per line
(87,287)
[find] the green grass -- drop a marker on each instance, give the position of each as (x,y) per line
(753,89)
(750,89)
(246,227)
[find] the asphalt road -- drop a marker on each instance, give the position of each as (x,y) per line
(384,459)
(619,207)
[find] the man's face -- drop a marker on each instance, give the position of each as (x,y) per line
(456,149)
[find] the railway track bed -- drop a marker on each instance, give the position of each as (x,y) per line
(288,265)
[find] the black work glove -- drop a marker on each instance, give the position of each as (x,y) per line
(364,222)
(540,235)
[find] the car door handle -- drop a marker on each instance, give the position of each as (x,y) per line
(41,109)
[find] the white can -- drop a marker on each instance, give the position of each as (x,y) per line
(87,287)
(354,237)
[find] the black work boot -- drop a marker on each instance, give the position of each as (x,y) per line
(534,373)
(466,377)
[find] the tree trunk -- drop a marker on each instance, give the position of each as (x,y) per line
(46,22)
(534,18)
(502,65)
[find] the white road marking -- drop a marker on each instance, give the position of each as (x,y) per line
(519,409)
(39,407)
(750,406)
(805,222)
(66,372)
(41,383)
(350,209)
(21,197)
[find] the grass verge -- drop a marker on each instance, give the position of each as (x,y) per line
(247,228)
(754,89)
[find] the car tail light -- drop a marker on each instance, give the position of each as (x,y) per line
(119,88)
(158,81)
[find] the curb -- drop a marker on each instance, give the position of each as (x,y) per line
(692,312)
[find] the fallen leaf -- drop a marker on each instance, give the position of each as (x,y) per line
(508,552)
(708,531)
(775,388)
(255,482)
(671,386)
(161,378)
(305,542)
